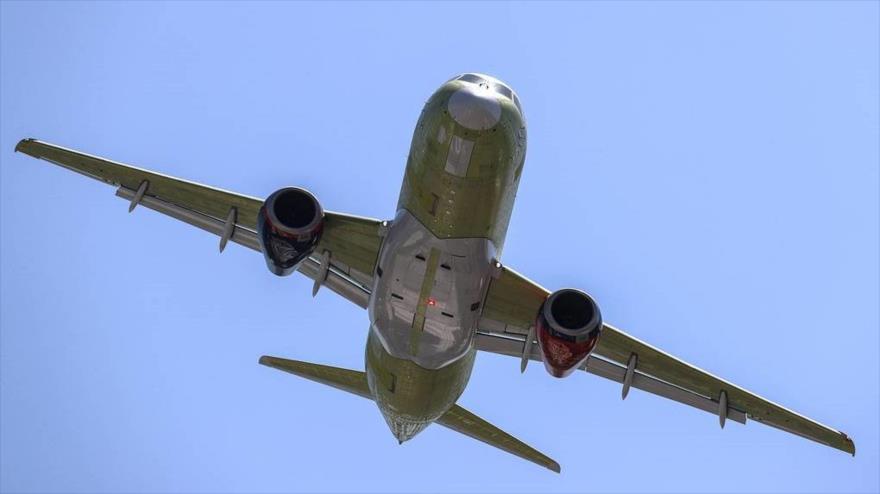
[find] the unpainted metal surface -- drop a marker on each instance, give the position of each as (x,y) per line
(423,307)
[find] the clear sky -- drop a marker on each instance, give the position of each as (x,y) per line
(708,171)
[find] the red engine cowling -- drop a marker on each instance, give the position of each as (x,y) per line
(289,224)
(568,327)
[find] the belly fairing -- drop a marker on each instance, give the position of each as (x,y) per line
(427,293)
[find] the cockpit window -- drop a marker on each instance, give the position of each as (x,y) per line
(504,90)
(496,86)
(516,102)
(471,78)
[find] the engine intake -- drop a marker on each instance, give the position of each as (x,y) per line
(568,327)
(289,224)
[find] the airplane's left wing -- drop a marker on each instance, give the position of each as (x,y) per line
(512,303)
(351,242)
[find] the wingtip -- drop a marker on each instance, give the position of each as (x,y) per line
(555,467)
(265,360)
(851,444)
(21,143)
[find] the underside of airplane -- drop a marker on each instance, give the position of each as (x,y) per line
(431,279)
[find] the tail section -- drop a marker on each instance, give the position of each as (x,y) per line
(457,418)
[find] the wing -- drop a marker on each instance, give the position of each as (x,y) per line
(512,303)
(352,242)
(457,418)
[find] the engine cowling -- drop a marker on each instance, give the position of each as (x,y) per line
(290,224)
(568,327)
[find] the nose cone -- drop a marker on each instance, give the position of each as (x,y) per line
(476,104)
(475,107)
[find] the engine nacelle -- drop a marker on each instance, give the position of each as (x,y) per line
(289,224)
(568,327)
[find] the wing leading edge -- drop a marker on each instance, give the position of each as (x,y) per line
(512,302)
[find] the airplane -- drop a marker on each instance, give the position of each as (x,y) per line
(431,279)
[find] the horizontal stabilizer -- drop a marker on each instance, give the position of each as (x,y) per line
(347,380)
(463,421)
(457,418)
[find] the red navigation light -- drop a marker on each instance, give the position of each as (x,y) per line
(431,301)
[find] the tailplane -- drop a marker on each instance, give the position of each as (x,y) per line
(457,418)
(347,380)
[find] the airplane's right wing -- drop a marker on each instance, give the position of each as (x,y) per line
(512,304)
(352,242)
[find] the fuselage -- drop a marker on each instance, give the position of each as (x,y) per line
(438,255)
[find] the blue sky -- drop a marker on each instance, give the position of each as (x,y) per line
(708,171)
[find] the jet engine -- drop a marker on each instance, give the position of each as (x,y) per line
(289,224)
(568,327)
